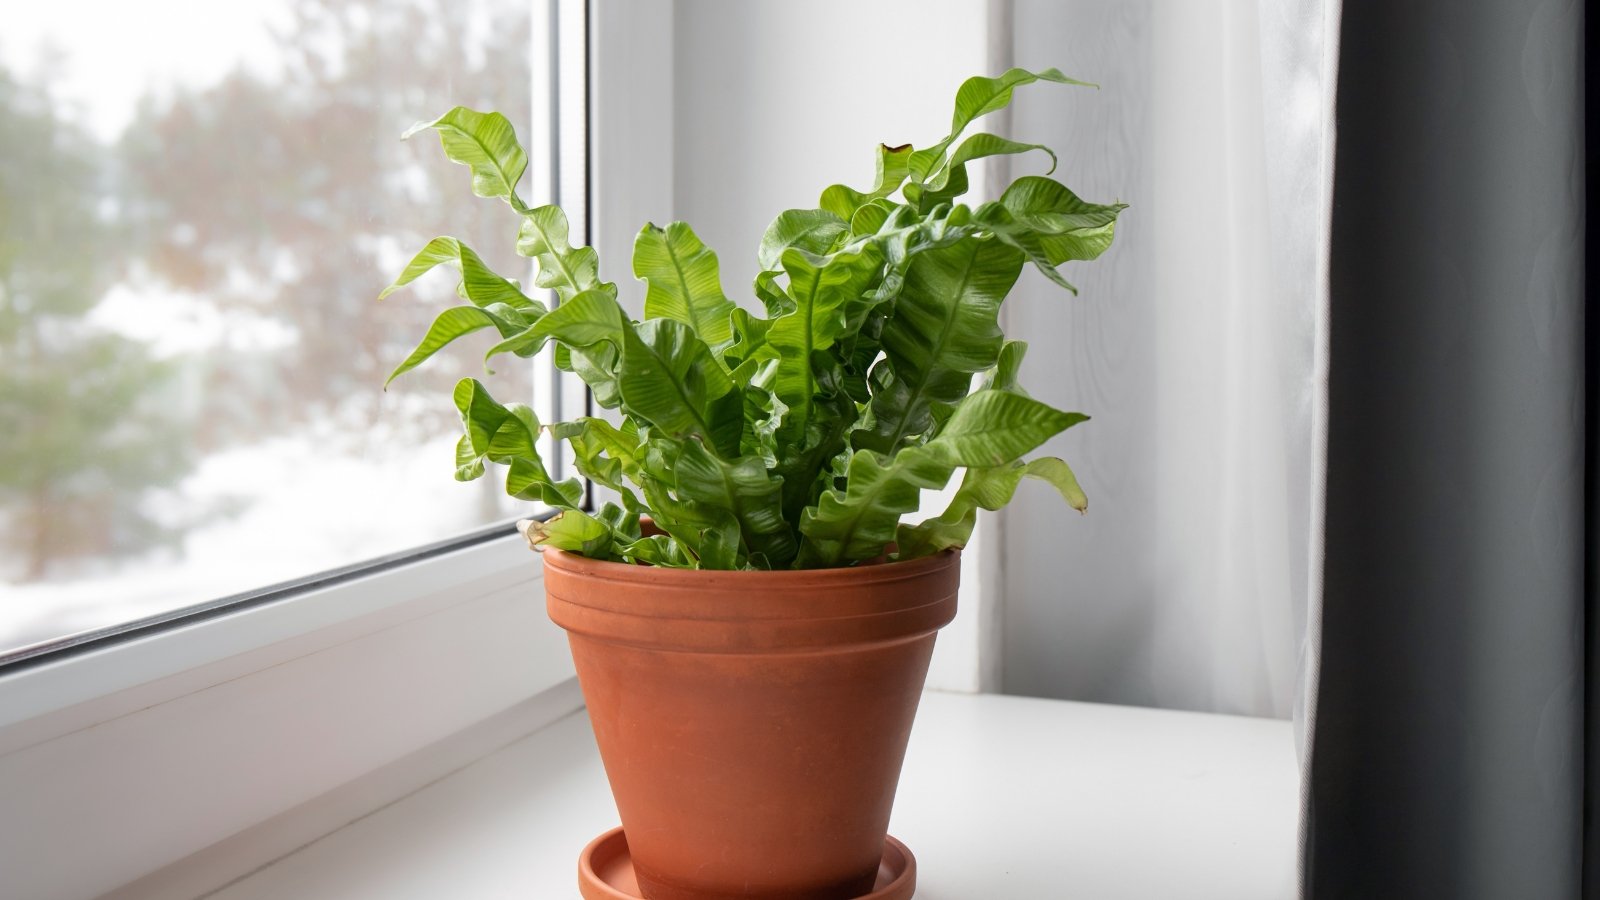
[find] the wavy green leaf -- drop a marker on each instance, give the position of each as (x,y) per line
(592,328)
(479,284)
(989,428)
(984,488)
(514,444)
(893,166)
(771,294)
(563,268)
(744,488)
(683,281)
(670,379)
(1030,243)
(526,479)
(507,435)
(451,324)
(709,533)
(812,230)
(624,520)
(574,531)
(597,368)
(1049,207)
(487,144)
(603,452)
(803,466)
(1051,224)
(992,428)
(977,97)
(815,417)
(658,550)
(763,414)
(945,329)
(481,417)
(979,146)
(870,218)
(1003,376)
(820,288)
(584,322)
(749,336)
(928,200)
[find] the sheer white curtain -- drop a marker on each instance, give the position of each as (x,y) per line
(1196,345)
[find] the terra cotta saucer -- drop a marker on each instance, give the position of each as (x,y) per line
(605,871)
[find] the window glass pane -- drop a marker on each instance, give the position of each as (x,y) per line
(199,202)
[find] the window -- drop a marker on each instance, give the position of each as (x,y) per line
(227,233)
(194,226)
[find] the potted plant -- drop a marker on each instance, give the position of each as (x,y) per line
(750,619)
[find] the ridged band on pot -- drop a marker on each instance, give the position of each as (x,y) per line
(747,612)
(752,724)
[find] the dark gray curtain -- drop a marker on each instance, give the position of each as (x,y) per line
(1447,759)
(1591,520)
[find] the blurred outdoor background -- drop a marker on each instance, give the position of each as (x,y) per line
(194,226)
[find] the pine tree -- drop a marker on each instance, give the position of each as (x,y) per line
(86,433)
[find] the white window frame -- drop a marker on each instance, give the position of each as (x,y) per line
(123,756)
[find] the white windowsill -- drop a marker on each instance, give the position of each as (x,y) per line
(214,728)
(1002,797)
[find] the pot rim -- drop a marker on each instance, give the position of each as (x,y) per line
(631,573)
(729,611)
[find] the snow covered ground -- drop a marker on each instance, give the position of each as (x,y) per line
(301,512)
(299,506)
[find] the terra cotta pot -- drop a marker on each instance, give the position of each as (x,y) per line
(752,724)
